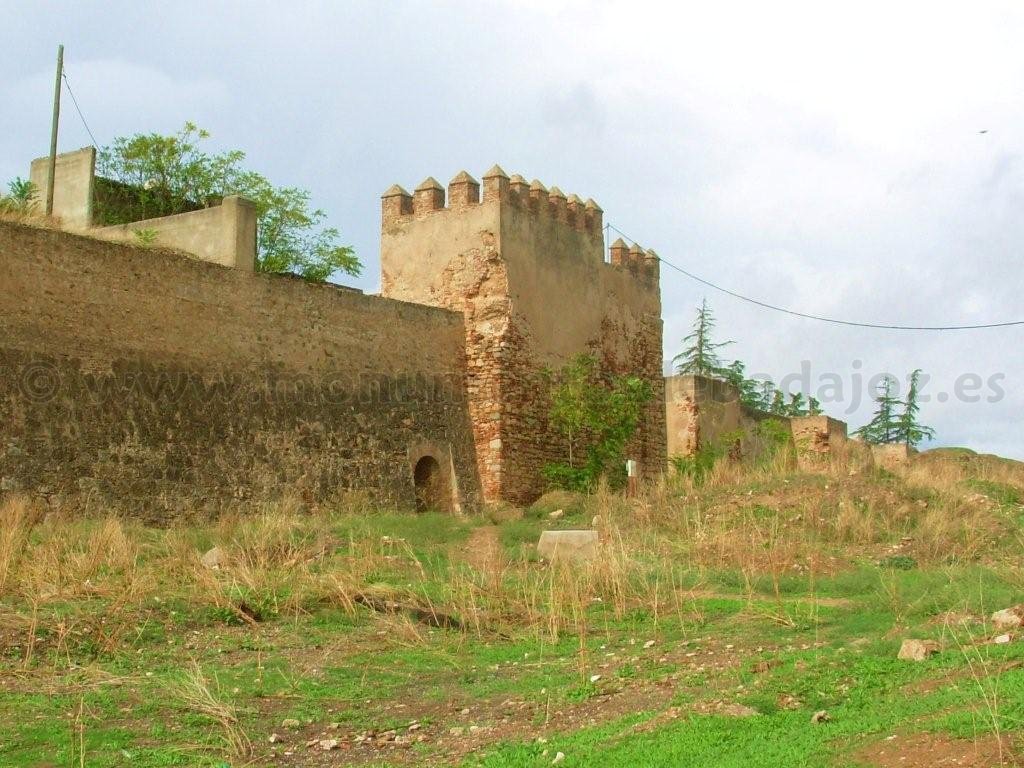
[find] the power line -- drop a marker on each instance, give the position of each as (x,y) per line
(79,110)
(766,305)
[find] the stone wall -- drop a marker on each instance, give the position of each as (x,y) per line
(142,380)
(704,411)
(816,438)
(526,267)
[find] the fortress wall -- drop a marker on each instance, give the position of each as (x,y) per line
(526,267)
(704,411)
(141,379)
(565,300)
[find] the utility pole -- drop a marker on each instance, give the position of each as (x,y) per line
(53,130)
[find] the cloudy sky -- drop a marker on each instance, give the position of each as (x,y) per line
(857,160)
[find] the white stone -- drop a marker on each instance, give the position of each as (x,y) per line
(1008,618)
(568,545)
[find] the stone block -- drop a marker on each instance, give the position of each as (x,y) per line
(566,545)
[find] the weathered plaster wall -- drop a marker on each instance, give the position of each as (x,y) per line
(73,188)
(704,411)
(140,379)
(526,267)
(223,234)
(816,437)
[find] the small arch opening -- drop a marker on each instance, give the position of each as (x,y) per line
(429,482)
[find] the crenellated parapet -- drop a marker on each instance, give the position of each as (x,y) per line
(635,259)
(464,192)
(519,215)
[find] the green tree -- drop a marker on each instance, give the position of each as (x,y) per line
(813,406)
(21,195)
(156,175)
(884,425)
(596,417)
(908,429)
(778,404)
(766,395)
(700,354)
(749,389)
(796,405)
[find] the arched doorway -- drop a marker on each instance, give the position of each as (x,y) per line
(429,481)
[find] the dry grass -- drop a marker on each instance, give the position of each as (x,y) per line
(762,521)
(195,693)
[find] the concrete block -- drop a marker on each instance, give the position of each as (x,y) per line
(563,545)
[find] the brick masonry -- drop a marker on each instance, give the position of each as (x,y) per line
(525,265)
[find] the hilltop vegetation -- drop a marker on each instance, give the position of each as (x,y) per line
(717,622)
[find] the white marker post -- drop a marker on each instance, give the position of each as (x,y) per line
(632,477)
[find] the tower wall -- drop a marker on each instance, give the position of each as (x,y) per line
(525,265)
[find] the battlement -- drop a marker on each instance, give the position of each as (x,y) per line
(544,206)
(464,192)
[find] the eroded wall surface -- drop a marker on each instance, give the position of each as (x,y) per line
(140,380)
(526,267)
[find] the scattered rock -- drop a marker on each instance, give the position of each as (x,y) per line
(559,757)
(789,701)
(291,723)
(215,559)
(1008,618)
(328,744)
(275,738)
(456,731)
(554,515)
(1002,639)
(821,716)
(594,678)
(649,644)
(917,650)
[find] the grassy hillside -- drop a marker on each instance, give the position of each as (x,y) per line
(718,624)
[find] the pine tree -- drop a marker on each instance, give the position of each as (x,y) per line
(884,425)
(699,356)
(908,430)
(778,405)
(813,406)
(748,389)
(796,405)
(767,395)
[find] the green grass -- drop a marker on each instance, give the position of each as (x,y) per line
(787,646)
